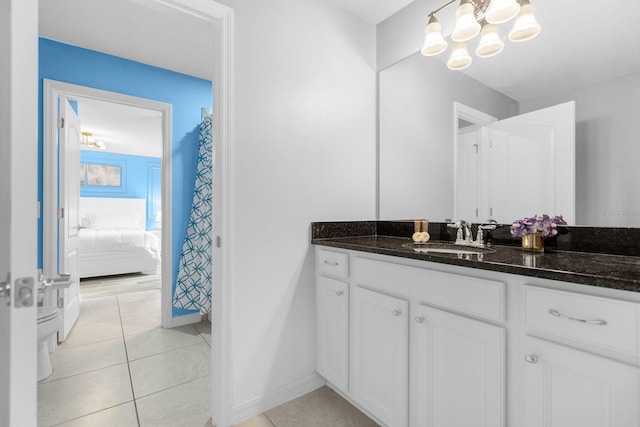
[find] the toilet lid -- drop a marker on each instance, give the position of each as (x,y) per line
(44,317)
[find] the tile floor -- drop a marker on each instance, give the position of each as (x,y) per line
(118,367)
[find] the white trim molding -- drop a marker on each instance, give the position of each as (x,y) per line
(52,91)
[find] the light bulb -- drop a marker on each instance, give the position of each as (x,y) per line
(460,58)
(500,11)
(467,26)
(434,43)
(490,43)
(526,27)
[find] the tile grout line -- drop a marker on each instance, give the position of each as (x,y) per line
(269,419)
(126,352)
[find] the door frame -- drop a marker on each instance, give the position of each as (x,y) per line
(54,90)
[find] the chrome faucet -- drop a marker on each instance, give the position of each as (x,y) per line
(464,236)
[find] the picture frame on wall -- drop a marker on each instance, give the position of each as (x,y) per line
(104,175)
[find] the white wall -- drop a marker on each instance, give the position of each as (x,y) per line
(416,134)
(304,151)
(401,34)
(607,149)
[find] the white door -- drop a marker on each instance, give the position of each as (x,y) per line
(468,180)
(69,224)
(458,371)
(567,387)
(532,164)
(18,225)
(332,302)
(380,355)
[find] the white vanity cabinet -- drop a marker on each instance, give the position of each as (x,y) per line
(380,355)
(424,344)
(332,329)
(568,387)
(565,386)
(457,371)
(332,317)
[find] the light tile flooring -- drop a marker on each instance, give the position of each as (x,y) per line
(118,367)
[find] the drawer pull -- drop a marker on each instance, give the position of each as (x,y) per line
(531,358)
(420,319)
(599,322)
(397,312)
(331,263)
(339,293)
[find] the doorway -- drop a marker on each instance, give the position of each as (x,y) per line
(54,92)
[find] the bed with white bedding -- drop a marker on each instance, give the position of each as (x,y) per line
(113,239)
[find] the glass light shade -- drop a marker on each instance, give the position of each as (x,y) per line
(500,11)
(467,27)
(434,43)
(460,58)
(490,43)
(526,27)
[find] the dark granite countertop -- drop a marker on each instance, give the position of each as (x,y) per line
(595,269)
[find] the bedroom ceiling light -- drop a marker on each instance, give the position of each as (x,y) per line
(480,16)
(87,139)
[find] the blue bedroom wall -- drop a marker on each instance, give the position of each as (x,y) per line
(138,179)
(187,95)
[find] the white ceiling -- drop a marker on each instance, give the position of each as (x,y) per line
(122,128)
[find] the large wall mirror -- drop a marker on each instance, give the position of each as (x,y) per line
(586,54)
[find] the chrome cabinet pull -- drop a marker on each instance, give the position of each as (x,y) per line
(326,261)
(420,319)
(339,293)
(531,358)
(598,322)
(397,312)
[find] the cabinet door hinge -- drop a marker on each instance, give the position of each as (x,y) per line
(60,122)
(60,213)
(60,302)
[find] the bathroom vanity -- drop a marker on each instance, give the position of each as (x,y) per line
(504,338)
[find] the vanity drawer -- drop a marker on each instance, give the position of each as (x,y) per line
(603,322)
(464,294)
(333,263)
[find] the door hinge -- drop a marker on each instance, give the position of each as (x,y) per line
(5,288)
(490,212)
(60,213)
(218,241)
(477,212)
(60,302)
(60,122)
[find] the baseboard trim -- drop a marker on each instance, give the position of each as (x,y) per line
(276,397)
(187,319)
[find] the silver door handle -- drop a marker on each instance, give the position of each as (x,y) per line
(598,322)
(339,293)
(61,282)
(331,262)
(420,319)
(397,312)
(531,358)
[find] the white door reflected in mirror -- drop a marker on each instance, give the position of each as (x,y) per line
(516,167)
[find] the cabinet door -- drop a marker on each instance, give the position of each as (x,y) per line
(458,371)
(379,363)
(332,319)
(567,387)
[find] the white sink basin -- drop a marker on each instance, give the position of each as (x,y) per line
(447,248)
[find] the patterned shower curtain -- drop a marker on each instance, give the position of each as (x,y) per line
(193,284)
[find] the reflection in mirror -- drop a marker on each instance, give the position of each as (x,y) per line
(509,168)
(416,177)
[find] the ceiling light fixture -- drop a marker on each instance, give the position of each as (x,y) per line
(87,139)
(480,16)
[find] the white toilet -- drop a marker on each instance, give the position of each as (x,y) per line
(49,322)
